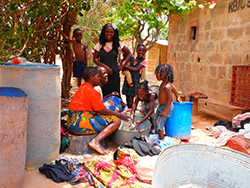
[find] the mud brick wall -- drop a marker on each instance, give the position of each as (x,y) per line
(204,45)
(155,56)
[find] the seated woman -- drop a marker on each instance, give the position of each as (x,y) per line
(113,100)
(148,101)
(88,114)
(104,80)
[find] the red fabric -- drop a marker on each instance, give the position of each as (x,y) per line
(86,98)
(143,63)
(126,161)
(63,132)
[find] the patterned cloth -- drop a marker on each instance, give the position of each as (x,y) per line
(113,103)
(128,76)
(85,123)
(111,175)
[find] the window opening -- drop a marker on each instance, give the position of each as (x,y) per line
(193,32)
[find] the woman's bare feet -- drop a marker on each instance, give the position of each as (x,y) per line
(97,147)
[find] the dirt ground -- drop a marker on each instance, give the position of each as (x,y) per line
(34,179)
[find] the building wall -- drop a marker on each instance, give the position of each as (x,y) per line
(155,56)
(222,40)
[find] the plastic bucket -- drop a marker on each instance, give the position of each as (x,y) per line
(201,165)
(13,128)
(42,84)
(179,124)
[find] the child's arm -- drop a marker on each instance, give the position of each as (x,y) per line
(134,69)
(168,94)
(134,106)
(178,98)
(151,110)
(64,36)
(85,52)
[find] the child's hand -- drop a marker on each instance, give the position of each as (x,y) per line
(164,114)
(120,67)
(138,123)
(132,117)
(179,99)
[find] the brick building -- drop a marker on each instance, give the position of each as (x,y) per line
(204,47)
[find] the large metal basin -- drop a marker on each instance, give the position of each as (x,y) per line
(199,166)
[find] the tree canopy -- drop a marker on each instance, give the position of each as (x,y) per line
(28,27)
(134,17)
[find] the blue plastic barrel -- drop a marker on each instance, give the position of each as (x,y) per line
(180,123)
(13,130)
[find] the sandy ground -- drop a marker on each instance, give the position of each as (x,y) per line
(34,179)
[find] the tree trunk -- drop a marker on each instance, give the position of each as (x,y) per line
(67,54)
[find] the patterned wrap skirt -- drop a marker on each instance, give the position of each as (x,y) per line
(85,123)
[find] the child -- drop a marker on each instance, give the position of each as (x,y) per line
(105,55)
(80,53)
(87,113)
(148,101)
(126,73)
(137,64)
(175,92)
(165,107)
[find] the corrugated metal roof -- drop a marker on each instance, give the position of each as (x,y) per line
(161,41)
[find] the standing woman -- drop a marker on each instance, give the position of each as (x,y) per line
(106,55)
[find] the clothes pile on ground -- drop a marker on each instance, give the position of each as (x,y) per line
(133,163)
(240,126)
(65,169)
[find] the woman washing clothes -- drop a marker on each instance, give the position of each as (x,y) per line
(88,114)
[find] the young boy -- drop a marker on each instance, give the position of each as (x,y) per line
(80,53)
(165,107)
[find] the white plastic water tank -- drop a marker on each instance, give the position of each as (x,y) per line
(42,84)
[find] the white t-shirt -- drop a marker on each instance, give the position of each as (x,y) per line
(99,89)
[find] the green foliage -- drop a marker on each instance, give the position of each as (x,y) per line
(145,19)
(27,26)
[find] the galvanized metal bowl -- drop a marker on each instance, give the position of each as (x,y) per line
(120,136)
